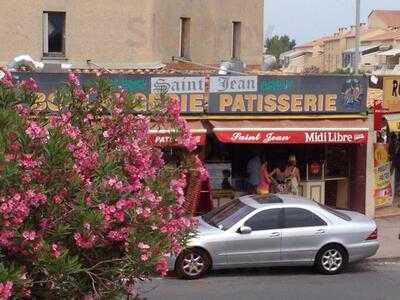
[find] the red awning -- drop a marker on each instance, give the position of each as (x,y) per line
(305,131)
(162,137)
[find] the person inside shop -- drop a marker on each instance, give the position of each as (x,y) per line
(292,174)
(253,172)
(226,185)
(278,178)
(265,180)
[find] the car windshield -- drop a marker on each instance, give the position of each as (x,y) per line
(335,212)
(227,215)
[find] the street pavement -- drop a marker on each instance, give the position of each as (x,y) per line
(369,280)
(388,235)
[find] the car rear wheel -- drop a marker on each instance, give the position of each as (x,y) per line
(192,264)
(331,260)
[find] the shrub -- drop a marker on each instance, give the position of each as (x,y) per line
(88,205)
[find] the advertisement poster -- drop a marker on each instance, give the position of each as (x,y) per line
(383,189)
(391,93)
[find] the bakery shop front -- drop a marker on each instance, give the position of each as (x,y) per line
(320,122)
(317,123)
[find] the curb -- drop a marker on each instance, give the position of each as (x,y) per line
(389,215)
(384,259)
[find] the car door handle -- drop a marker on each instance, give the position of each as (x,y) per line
(320,231)
(275,234)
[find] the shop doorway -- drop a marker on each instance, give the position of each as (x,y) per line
(330,173)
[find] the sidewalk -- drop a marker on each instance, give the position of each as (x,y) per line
(388,234)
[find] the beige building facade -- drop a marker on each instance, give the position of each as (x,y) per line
(131,33)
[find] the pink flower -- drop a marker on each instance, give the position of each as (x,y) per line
(151,197)
(22,110)
(112,181)
(143,212)
(55,251)
(106,134)
(143,247)
(201,168)
(73,79)
(131,290)
(145,256)
(57,199)
(118,235)
(30,85)
(29,235)
(80,94)
(85,243)
(5,290)
(35,199)
(5,238)
(88,200)
(36,132)
(174,108)
(162,266)
(27,162)
(86,225)
(88,118)
(7,78)
(44,223)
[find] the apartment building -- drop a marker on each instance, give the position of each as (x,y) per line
(337,51)
(131,33)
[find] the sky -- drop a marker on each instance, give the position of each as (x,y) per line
(305,20)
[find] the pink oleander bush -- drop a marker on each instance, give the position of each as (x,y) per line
(88,204)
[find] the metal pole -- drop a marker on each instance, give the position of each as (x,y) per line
(357,48)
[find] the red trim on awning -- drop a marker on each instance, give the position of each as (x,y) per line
(318,131)
(162,137)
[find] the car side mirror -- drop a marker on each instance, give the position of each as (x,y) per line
(244,230)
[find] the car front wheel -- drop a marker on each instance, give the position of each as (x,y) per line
(331,260)
(192,264)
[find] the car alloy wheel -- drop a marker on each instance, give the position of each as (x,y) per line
(193,264)
(332,260)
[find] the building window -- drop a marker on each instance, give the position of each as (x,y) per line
(53,34)
(185,38)
(236,42)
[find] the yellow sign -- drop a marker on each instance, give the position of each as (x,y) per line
(383,188)
(381,155)
(394,126)
(391,93)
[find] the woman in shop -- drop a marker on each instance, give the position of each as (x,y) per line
(278,179)
(265,180)
(292,174)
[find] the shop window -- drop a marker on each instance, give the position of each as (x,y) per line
(185,38)
(298,217)
(337,162)
(236,42)
(266,220)
(53,33)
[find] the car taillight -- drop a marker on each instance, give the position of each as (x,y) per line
(373,235)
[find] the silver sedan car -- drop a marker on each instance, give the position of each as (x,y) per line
(276,230)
